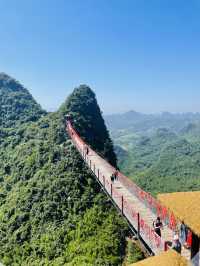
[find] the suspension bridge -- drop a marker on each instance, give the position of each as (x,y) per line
(139,208)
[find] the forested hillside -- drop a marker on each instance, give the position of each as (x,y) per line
(52,212)
(16,103)
(90,124)
(160,159)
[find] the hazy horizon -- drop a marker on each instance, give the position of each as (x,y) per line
(132,110)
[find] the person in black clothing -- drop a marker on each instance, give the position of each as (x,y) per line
(157,225)
(87,150)
(116,175)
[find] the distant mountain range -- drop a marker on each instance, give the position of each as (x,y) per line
(161,152)
(148,123)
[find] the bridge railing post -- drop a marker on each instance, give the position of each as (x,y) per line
(104,181)
(90,164)
(122,208)
(111,189)
(94,168)
(165,246)
(98,173)
(138,224)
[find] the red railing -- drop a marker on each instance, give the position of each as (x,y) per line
(126,207)
(167,217)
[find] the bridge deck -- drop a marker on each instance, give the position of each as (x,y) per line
(127,201)
(120,190)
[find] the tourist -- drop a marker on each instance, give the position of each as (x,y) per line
(116,175)
(87,150)
(176,245)
(157,225)
(183,234)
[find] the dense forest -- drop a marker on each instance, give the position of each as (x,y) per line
(160,152)
(52,212)
(16,103)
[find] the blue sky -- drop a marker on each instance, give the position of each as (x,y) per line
(135,54)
